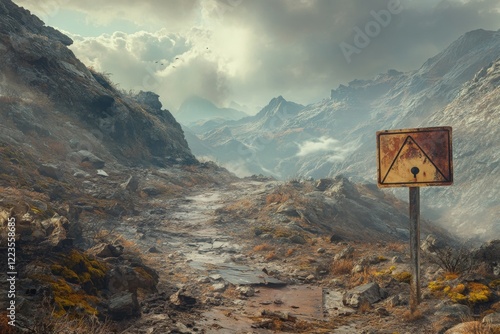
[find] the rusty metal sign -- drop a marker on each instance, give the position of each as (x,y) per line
(415,157)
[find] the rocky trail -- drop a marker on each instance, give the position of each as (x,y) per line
(206,268)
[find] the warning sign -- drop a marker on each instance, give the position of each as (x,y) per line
(415,157)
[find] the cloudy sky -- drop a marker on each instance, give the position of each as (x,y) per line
(250,51)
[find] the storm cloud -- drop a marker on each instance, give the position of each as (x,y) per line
(250,51)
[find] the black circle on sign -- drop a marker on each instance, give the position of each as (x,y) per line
(414,171)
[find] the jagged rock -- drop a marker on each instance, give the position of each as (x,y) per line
(397,300)
(219,287)
(431,244)
(346,253)
(154,250)
(324,184)
(396,259)
(489,252)
(298,239)
(56,229)
(105,250)
(126,278)
(454,311)
(51,170)
(492,319)
(132,184)
(123,305)
(370,293)
(86,156)
(182,298)
(246,291)
(287,209)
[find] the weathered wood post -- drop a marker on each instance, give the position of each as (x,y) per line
(415,248)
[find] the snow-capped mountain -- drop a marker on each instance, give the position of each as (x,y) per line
(337,135)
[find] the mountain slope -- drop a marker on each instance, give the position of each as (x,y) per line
(337,135)
(43,83)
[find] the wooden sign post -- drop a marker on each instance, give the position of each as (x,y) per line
(414,158)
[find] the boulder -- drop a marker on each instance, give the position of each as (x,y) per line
(370,293)
(50,170)
(468,327)
(86,156)
(456,311)
(123,305)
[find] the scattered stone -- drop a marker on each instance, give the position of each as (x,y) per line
(105,250)
(324,184)
(123,305)
(357,269)
(266,236)
(86,156)
(310,278)
(81,174)
(431,244)
(336,238)
(320,251)
(492,319)
(298,239)
(219,287)
(171,256)
(182,298)
(151,191)
(154,250)
(203,279)
(397,300)
(370,293)
(396,259)
(216,277)
(50,170)
(455,311)
(382,312)
(288,210)
(246,291)
(102,173)
(132,184)
(346,253)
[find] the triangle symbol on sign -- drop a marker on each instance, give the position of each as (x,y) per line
(411,155)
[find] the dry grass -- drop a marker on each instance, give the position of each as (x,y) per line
(277,198)
(263,247)
(342,267)
(271,256)
(364,307)
(411,317)
(290,251)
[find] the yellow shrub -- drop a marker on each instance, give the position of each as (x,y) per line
(478,293)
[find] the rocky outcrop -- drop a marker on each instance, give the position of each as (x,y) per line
(36,61)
